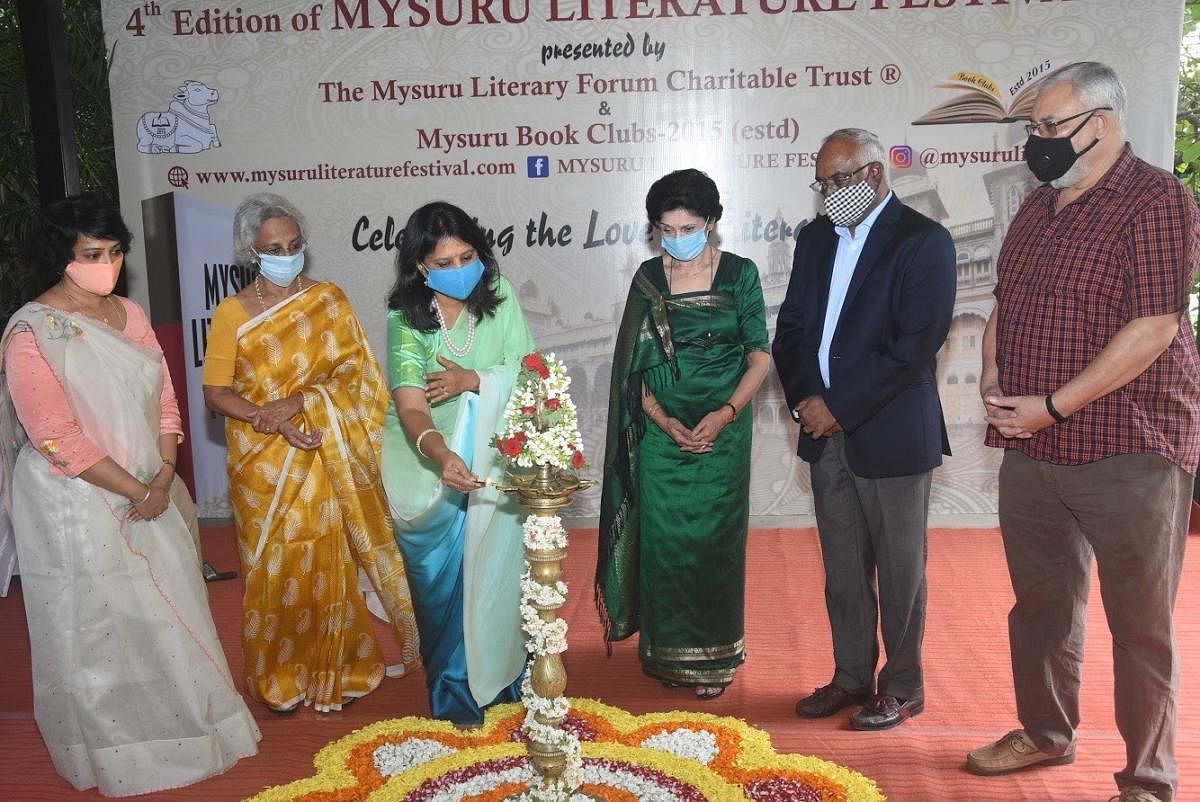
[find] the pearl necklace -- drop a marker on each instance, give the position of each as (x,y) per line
(258,289)
(450,346)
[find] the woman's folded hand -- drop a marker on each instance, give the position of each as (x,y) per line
(272,414)
(306,441)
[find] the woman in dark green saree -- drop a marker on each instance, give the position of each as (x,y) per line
(691,353)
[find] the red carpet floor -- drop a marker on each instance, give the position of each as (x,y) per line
(968,683)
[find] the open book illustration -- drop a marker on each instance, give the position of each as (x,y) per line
(985,100)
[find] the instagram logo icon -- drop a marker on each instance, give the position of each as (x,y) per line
(900,156)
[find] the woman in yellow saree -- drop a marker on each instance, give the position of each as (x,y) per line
(289,366)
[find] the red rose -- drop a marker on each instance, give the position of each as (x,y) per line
(528,410)
(511,446)
(577,460)
(553,404)
(535,363)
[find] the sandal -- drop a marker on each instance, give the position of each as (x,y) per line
(710,691)
(668,684)
(467,726)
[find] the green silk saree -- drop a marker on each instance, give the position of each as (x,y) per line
(672,524)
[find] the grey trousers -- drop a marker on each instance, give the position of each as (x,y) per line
(1131,511)
(873,534)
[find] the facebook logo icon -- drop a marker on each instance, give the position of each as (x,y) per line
(538,166)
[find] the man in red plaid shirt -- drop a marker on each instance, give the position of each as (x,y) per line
(1092,385)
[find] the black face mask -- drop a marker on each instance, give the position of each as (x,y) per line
(1049,159)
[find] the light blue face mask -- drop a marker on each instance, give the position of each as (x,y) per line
(687,247)
(455,282)
(281,270)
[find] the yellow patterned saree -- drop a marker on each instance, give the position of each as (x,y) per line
(307,521)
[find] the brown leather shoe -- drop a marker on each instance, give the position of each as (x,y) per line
(1014,752)
(827,700)
(882,712)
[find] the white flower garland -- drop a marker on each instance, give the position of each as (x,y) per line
(541,428)
(572,776)
(546,707)
(542,637)
(544,596)
(546,638)
(544,533)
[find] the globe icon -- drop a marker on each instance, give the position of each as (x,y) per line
(177,176)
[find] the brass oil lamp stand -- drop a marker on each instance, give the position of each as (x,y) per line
(545,493)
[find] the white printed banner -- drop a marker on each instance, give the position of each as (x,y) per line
(549,119)
(206,275)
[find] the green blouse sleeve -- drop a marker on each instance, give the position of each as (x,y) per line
(408,353)
(751,308)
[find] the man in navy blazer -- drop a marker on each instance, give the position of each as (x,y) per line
(869,304)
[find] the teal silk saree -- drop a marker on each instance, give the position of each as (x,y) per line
(672,524)
(465,551)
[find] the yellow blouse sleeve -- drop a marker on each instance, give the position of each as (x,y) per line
(408,353)
(221,351)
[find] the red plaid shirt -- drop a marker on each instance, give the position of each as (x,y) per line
(1067,283)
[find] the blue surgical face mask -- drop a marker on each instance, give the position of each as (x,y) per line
(456,282)
(687,247)
(281,270)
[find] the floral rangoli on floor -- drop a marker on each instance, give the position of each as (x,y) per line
(656,757)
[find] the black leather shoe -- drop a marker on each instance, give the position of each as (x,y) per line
(213,575)
(882,712)
(827,700)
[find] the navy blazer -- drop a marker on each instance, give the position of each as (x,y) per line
(882,361)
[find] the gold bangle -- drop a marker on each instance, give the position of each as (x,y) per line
(732,407)
(650,412)
(168,462)
(421,437)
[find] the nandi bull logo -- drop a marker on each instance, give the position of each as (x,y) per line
(184,127)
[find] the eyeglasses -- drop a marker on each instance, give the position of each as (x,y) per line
(837,180)
(1049,128)
(278,250)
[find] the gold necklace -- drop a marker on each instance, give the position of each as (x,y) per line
(80,309)
(258,289)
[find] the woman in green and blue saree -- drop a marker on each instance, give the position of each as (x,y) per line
(691,352)
(456,336)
